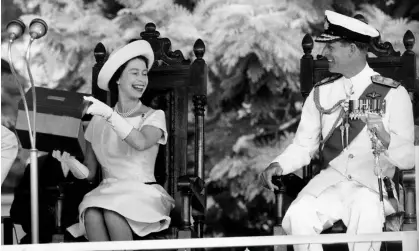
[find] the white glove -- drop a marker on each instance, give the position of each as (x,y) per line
(98,108)
(118,123)
(56,154)
(70,163)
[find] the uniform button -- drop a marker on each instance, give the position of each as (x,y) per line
(351,156)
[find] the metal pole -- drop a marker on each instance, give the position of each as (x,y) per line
(33,151)
(34,196)
(33,156)
(416,184)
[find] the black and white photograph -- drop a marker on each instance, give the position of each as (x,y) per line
(217,125)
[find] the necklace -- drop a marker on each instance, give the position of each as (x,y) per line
(128,113)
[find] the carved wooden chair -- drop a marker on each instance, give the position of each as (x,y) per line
(173,82)
(388,63)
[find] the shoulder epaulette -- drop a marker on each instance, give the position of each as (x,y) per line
(328,80)
(378,79)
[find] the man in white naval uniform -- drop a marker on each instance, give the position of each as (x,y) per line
(347,187)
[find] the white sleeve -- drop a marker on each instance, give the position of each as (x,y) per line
(401,150)
(158,120)
(306,141)
(88,134)
(9,149)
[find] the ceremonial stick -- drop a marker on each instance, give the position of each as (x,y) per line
(361,109)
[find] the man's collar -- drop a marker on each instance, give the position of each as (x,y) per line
(365,73)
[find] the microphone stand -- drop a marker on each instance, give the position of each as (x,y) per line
(33,158)
(38,28)
(33,153)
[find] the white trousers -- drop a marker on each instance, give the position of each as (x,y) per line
(358,207)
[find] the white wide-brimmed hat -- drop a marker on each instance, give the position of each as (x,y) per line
(120,57)
(338,26)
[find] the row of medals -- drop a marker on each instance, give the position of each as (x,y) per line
(357,109)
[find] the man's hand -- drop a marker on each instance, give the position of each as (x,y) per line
(266,176)
(98,108)
(375,123)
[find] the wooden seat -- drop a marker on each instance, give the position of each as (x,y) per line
(389,63)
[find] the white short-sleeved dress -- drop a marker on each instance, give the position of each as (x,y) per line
(125,171)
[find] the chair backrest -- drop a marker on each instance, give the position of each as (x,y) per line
(173,80)
(388,62)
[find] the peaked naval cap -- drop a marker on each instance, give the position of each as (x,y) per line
(338,26)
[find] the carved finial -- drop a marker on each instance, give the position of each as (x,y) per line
(408,40)
(381,49)
(100,53)
(199,101)
(150,32)
(199,49)
(361,18)
(307,44)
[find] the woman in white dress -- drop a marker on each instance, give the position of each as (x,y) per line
(124,141)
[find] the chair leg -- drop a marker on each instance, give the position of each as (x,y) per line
(279,201)
(58,236)
(278,230)
(410,207)
(186,231)
(199,225)
(8,230)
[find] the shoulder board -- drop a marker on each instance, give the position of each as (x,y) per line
(328,80)
(378,79)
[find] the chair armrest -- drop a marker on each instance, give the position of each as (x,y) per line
(279,199)
(289,185)
(190,186)
(195,185)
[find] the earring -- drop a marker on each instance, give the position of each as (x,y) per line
(117,82)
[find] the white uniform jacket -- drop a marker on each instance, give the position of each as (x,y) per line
(357,162)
